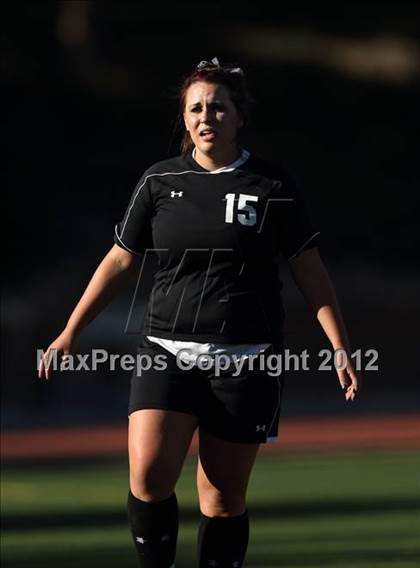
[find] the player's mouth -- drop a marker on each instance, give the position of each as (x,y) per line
(208,134)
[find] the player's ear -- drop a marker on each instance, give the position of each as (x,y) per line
(241,121)
(185,123)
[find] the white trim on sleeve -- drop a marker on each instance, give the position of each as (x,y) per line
(303,246)
(124,246)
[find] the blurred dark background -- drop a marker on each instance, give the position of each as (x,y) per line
(89,101)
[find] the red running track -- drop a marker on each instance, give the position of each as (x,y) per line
(295,435)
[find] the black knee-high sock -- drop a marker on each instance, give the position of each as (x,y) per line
(222,541)
(154,526)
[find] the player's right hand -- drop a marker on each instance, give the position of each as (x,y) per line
(63,346)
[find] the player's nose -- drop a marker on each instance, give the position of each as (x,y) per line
(205,114)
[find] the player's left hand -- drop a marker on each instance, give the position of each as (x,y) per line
(350,380)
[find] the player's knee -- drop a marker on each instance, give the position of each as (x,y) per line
(150,484)
(215,503)
(221,486)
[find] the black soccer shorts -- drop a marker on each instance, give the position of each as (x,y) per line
(244,408)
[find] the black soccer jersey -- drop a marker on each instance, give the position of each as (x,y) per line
(217,236)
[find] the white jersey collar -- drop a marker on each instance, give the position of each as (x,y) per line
(230,167)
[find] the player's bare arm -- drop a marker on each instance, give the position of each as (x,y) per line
(312,279)
(109,278)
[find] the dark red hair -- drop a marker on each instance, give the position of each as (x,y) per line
(231,78)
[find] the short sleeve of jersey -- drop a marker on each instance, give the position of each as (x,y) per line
(134,232)
(297,231)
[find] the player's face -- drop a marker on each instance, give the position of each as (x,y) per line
(211,118)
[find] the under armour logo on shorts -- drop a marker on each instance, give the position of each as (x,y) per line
(261,428)
(176,193)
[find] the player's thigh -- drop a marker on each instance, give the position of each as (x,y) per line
(158,442)
(224,467)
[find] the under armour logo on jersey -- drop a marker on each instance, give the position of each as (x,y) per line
(261,428)
(176,193)
(140,539)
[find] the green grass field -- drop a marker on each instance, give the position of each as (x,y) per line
(357,509)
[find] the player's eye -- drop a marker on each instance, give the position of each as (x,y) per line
(218,107)
(196,109)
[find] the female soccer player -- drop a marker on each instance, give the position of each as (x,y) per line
(218,217)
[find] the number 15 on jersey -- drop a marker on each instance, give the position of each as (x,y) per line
(246,213)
